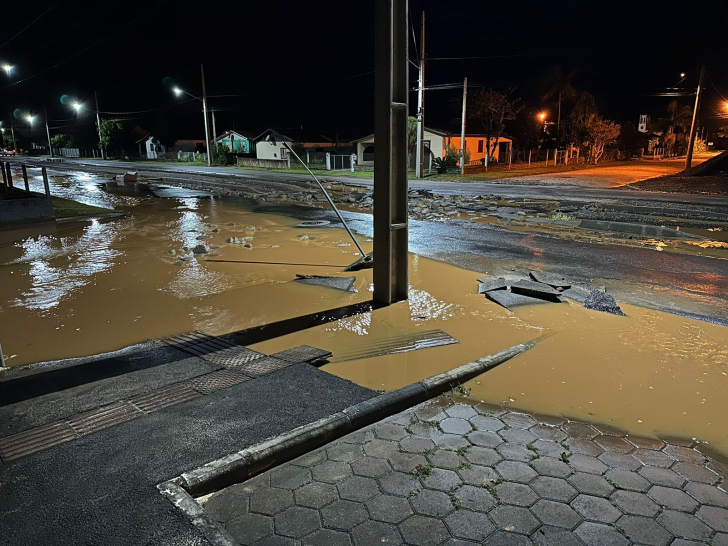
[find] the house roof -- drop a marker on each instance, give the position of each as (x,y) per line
(427,129)
(238,135)
(294,134)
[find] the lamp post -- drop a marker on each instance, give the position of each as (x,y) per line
(48,131)
(78,106)
(178,91)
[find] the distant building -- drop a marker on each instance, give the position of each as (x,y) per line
(152,148)
(189,145)
(478,148)
(234,142)
(434,141)
(270,143)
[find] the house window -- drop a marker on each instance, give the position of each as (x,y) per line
(368,154)
(283,153)
(480,146)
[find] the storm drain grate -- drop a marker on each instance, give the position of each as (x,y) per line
(164,397)
(220,379)
(303,353)
(103,417)
(263,366)
(398,344)
(36,439)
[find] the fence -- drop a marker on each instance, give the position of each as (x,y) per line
(22,204)
(339,162)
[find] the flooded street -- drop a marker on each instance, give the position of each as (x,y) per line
(71,289)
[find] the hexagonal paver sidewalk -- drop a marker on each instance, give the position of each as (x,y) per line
(453,472)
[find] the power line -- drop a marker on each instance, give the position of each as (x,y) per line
(146,111)
(30,24)
(293,88)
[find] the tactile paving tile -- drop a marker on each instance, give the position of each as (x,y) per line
(103,417)
(397,344)
(215,350)
(164,397)
(231,357)
(303,353)
(34,440)
(220,379)
(264,365)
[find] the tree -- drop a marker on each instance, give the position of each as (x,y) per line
(7,139)
(411,135)
(585,111)
(62,141)
(110,134)
(492,108)
(631,141)
(601,132)
(528,130)
(558,84)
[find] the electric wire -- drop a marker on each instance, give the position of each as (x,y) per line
(292,88)
(30,24)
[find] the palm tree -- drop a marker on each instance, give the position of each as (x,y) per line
(558,84)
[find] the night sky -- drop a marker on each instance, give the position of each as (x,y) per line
(310,63)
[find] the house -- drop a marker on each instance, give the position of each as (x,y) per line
(190,145)
(269,145)
(234,142)
(476,145)
(152,147)
(434,141)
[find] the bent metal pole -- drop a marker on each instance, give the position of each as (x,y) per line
(351,234)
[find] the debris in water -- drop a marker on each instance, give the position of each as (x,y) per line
(509,299)
(340,283)
(536,290)
(552,279)
(491,283)
(602,301)
(199,249)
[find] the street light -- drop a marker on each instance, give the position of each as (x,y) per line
(7,68)
(77,106)
(30,118)
(178,91)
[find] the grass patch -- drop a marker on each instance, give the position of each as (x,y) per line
(422,470)
(66,208)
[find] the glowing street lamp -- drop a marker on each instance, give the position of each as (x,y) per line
(7,68)
(30,118)
(77,106)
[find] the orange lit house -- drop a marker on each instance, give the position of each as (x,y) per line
(476,145)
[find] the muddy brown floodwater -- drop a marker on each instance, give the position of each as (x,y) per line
(83,288)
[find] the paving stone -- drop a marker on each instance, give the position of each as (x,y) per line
(598,534)
(661,476)
(225,506)
(424,430)
(579,430)
(695,473)
(518,420)
(515,471)
(683,542)
(506,538)
(484,439)
(271,501)
(441,480)
(358,488)
(677,441)
(343,515)
(406,462)
(514,519)
(296,522)
(637,504)
(715,517)
(588,464)
(390,432)
(646,443)
(621,461)
(483,456)
(591,484)
(628,480)
(556,514)
(613,443)
(418,445)
(327,537)
(431,413)
(553,488)
(443,458)
(707,494)
(432,503)
(397,483)
(516,493)
(477,475)
(517,436)
(720,468)
(458,542)
(684,525)
(371,467)
(674,499)
(516,452)
(423,531)
(549,466)
(248,528)
(382,448)
(644,530)
(548,433)
(551,420)
(684,454)
(451,441)
(453,425)
(469,525)
(595,509)
(584,447)
(290,477)
(310,459)
(720,540)
(653,458)
(315,495)
(331,472)
(547,448)
(461,411)
(345,453)
(275,540)
(495,410)
(475,498)
(250,487)
(554,536)
(487,424)
(358,437)
(375,532)
(610,430)
(388,508)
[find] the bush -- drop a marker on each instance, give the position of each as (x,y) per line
(219,155)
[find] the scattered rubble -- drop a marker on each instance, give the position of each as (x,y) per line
(488,284)
(509,299)
(602,301)
(536,290)
(552,279)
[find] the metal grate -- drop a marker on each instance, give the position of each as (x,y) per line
(303,353)
(220,379)
(164,397)
(213,349)
(263,366)
(398,344)
(34,440)
(233,356)
(103,417)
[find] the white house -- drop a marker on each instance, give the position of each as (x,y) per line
(434,147)
(152,146)
(270,145)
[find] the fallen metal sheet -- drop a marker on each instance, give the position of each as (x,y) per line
(535,290)
(509,299)
(398,344)
(304,353)
(552,279)
(339,283)
(491,283)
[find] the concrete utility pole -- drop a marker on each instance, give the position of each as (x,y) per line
(48,131)
(694,126)
(420,159)
(462,129)
(204,111)
(214,128)
(98,125)
(391,89)
(12,132)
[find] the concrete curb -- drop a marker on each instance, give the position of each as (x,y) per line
(641,230)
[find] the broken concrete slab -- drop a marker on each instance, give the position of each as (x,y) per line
(577,293)
(491,283)
(602,301)
(339,283)
(535,290)
(552,279)
(508,299)
(130,176)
